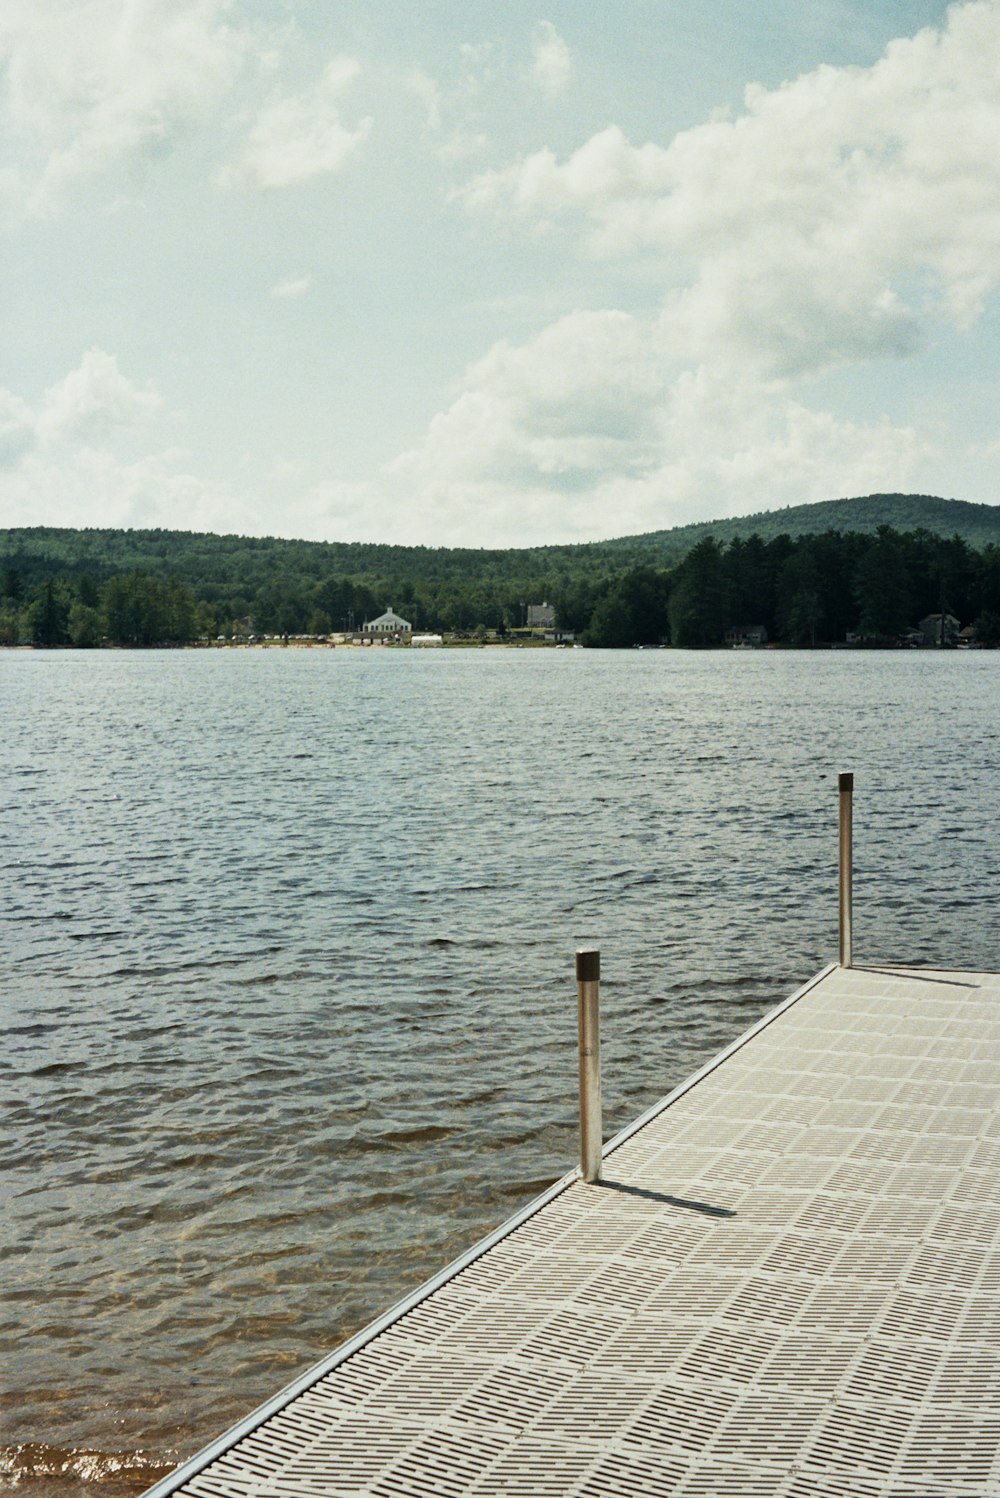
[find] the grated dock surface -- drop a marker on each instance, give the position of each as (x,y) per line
(785,1286)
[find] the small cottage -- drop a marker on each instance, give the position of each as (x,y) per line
(746,634)
(938,629)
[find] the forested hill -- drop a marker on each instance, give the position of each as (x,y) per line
(808,574)
(203,560)
(977,524)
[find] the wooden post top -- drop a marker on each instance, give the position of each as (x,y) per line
(588,965)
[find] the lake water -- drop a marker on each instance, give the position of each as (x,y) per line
(287,969)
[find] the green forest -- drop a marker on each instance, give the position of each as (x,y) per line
(879,565)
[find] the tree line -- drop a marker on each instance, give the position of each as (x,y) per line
(811,590)
(133,609)
(807,590)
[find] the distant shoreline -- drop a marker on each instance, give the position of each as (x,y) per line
(366,647)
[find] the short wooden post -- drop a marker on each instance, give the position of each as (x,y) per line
(588,982)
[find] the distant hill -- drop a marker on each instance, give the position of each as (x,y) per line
(209,562)
(82,585)
(977,524)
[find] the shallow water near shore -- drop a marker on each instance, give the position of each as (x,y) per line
(287,960)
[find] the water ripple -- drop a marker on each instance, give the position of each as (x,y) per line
(287,970)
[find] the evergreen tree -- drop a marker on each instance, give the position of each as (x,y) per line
(11,585)
(987,627)
(883,588)
(84,626)
(750,573)
(47,617)
(87,591)
(634,612)
(800,607)
(699,605)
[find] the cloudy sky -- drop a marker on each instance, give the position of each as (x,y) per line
(494,274)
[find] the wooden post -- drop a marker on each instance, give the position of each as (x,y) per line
(846,787)
(588,982)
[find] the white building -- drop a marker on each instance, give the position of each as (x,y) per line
(541,615)
(746,634)
(388,623)
(938,631)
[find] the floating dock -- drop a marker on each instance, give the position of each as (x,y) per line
(786,1284)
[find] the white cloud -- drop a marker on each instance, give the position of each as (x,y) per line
(604,170)
(840,218)
(69,459)
(292,287)
(732,443)
(97,489)
(300,136)
(575,399)
(835,221)
(583,431)
(449,142)
(92,82)
(831,221)
(592,429)
(87,405)
(551,64)
(92,401)
(17,428)
(57,457)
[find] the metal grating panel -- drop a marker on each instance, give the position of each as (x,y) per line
(787,1286)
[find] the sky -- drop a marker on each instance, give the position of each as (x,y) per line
(494,275)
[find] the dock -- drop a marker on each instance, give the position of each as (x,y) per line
(784,1284)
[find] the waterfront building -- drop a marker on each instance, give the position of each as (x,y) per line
(938,629)
(746,634)
(389,623)
(541,616)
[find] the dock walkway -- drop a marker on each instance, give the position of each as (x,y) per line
(784,1286)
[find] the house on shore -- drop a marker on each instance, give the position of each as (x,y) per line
(389,625)
(939,629)
(746,634)
(541,616)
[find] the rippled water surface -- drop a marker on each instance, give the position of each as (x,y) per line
(287,969)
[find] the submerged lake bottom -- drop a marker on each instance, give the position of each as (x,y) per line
(288,969)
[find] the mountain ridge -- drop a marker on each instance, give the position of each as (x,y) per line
(976,523)
(101,548)
(815,570)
